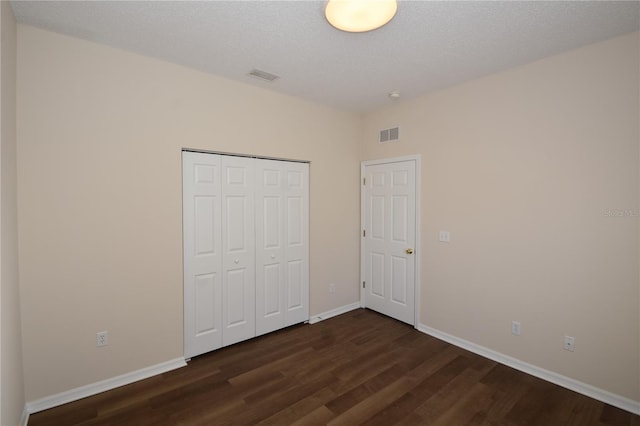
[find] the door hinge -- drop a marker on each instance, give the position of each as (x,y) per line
(364,181)
(363,284)
(364,232)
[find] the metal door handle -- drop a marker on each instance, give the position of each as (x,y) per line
(409,251)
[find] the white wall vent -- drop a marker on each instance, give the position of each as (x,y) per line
(390,135)
(263,75)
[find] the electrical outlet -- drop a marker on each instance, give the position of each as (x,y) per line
(102,338)
(569,343)
(515,328)
(332,288)
(445,237)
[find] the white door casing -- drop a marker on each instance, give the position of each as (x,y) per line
(390,252)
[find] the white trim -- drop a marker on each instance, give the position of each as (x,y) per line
(104,385)
(25,416)
(391,160)
(564,381)
(418,187)
(362,220)
(334,312)
(418,283)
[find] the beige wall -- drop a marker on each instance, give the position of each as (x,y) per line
(522,167)
(11,379)
(100,134)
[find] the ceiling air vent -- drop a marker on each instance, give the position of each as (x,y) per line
(390,135)
(263,75)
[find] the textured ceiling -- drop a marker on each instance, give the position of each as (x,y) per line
(428,45)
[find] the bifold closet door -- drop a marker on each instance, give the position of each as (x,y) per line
(246,248)
(238,249)
(219,251)
(282,244)
(202,227)
(296,217)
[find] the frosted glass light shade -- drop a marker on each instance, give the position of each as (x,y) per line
(357,16)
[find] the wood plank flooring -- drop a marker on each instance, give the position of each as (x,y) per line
(357,368)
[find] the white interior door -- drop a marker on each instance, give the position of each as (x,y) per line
(389,238)
(238,249)
(202,253)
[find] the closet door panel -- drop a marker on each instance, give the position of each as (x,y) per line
(270,297)
(202,253)
(238,249)
(296,198)
(295,291)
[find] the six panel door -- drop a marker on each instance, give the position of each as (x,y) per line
(246,248)
(389,240)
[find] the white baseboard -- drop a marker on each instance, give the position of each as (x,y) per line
(560,380)
(334,312)
(105,385)
(25,416)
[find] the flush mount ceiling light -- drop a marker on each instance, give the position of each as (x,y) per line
(357,16)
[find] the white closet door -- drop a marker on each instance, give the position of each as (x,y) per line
(202,253)
(270,237)
(246,248)
(282,244)
(238,247)
(296,241)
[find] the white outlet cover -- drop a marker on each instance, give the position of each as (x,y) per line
(515,328)
(445,237)
(569,343)
(102,338)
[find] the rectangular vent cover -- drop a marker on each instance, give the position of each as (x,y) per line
(263,75)
(390,135)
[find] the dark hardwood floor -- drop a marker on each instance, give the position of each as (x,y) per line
(360,367)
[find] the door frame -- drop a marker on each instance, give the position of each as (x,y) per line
(363,165)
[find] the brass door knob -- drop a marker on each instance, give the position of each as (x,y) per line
(409,251)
